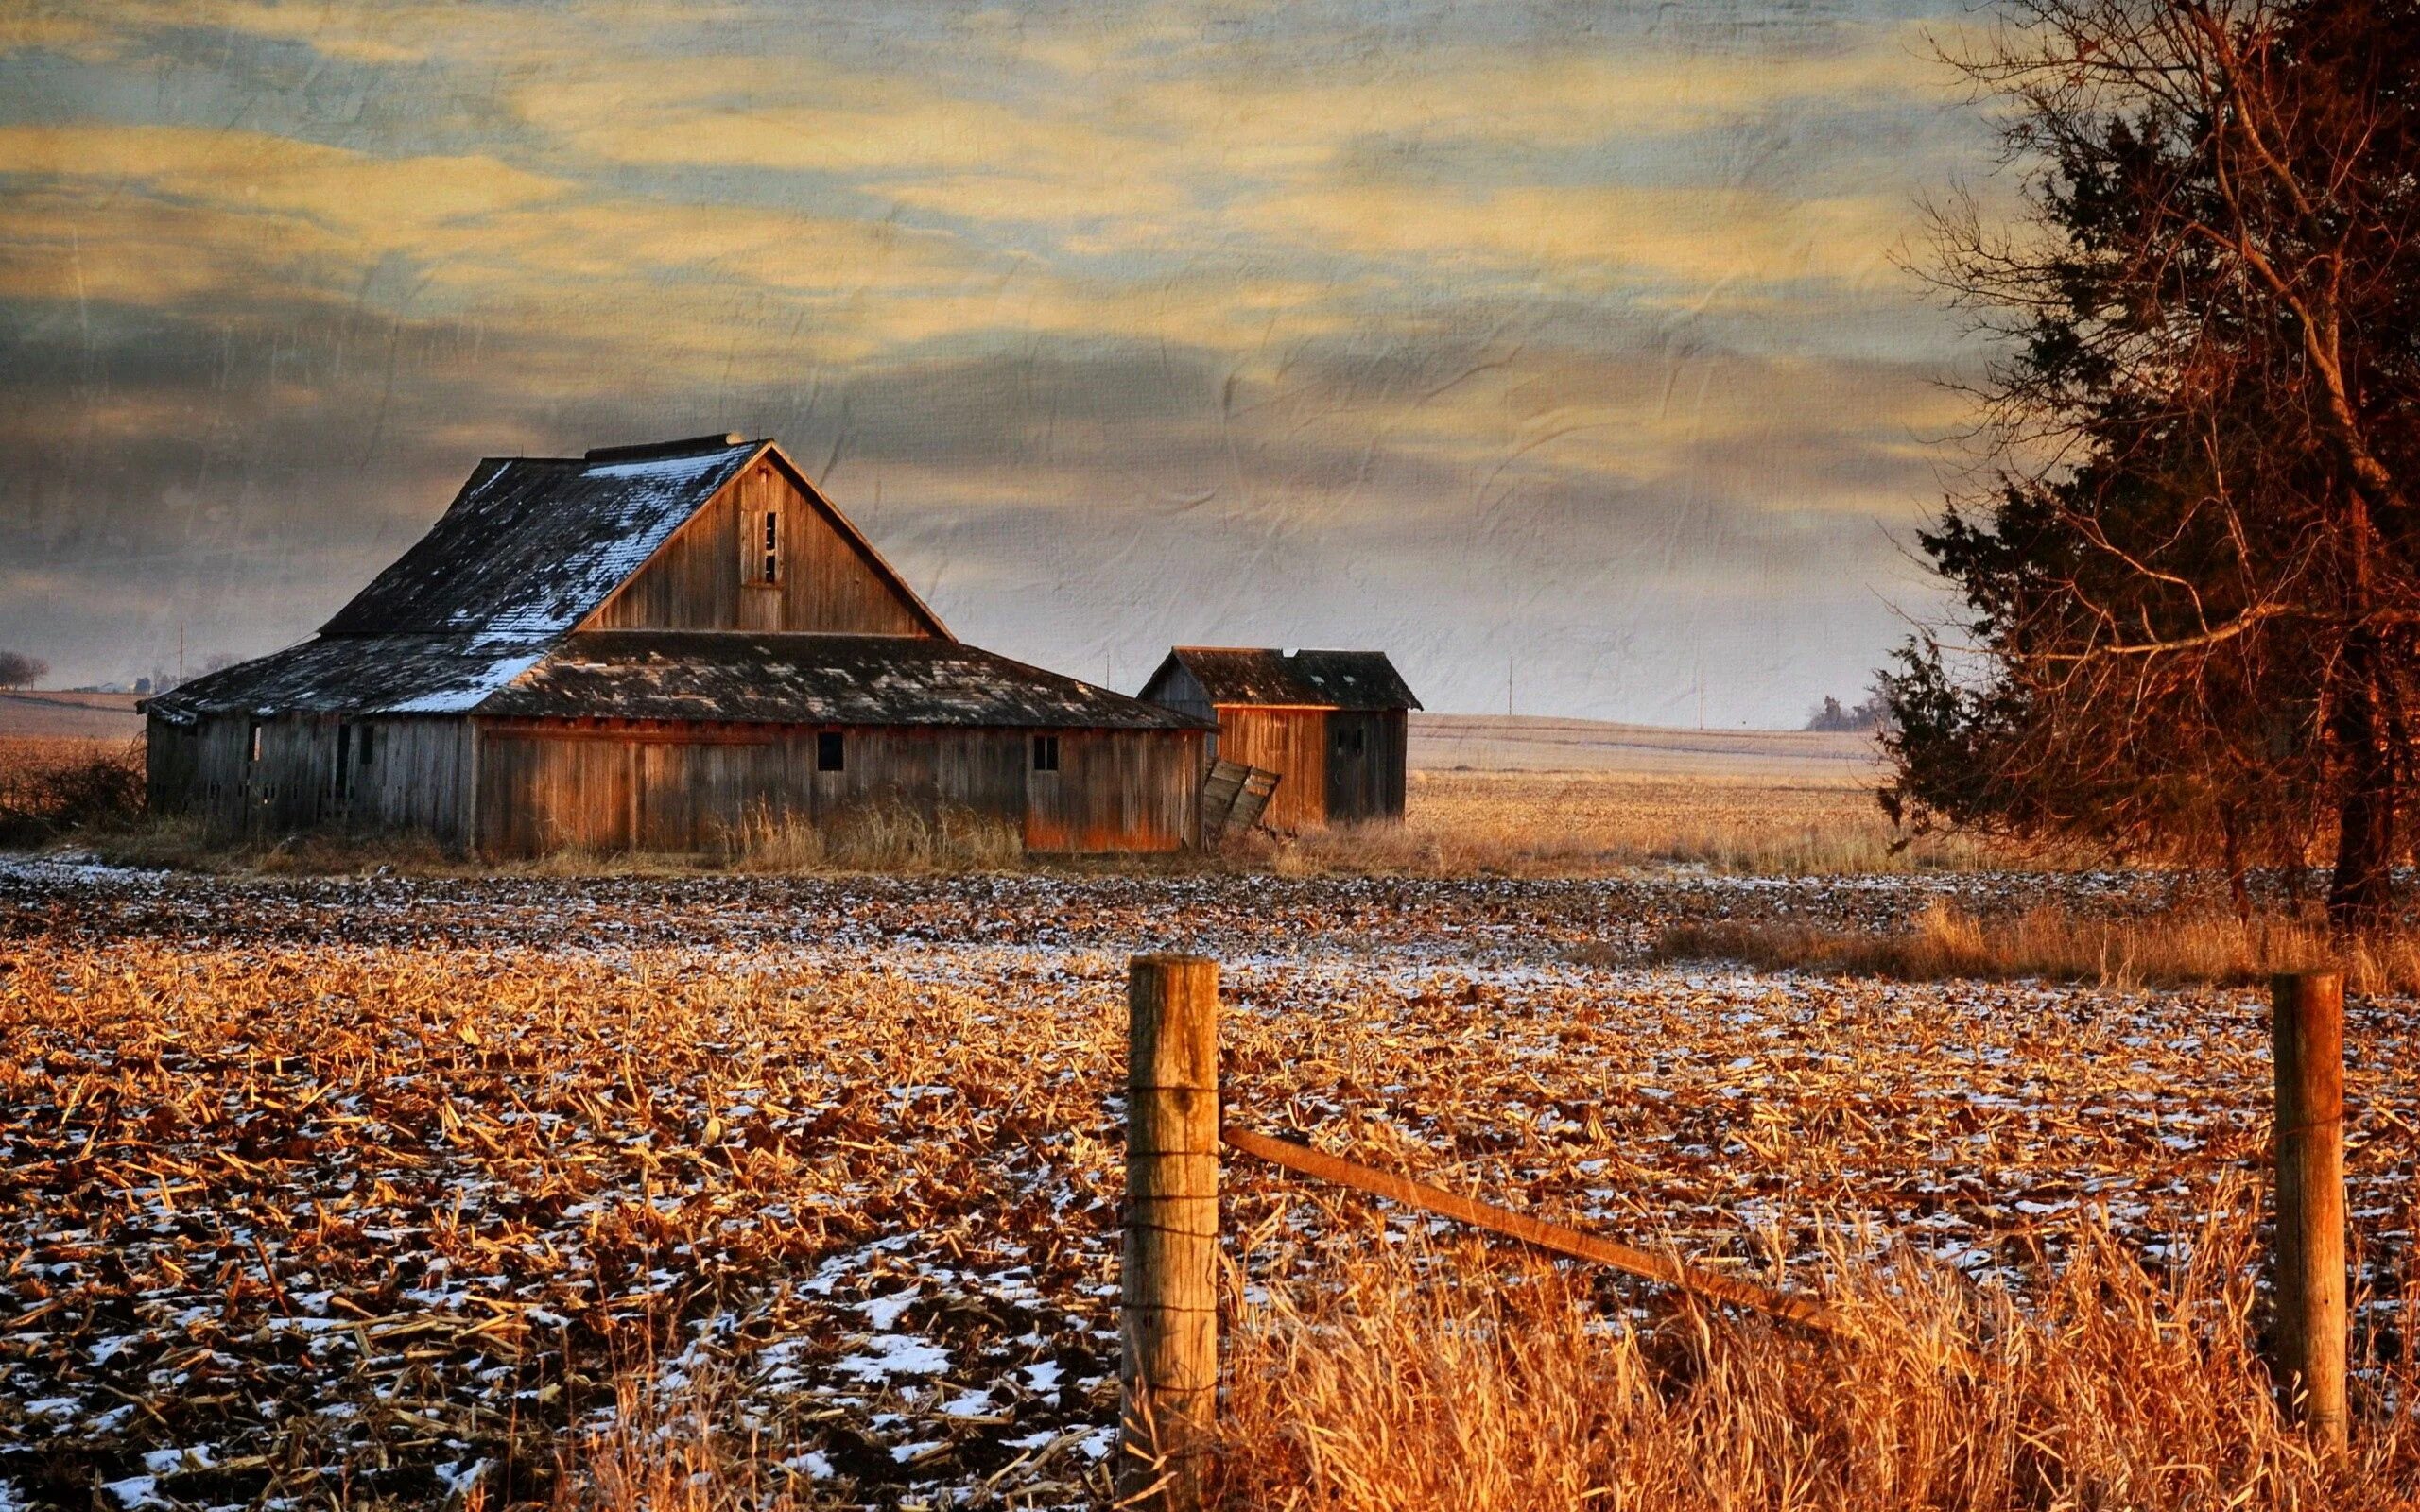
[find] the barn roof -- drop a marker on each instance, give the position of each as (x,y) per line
(358,674)
(531,544)
(729,676)
(1322,680)
(806,679)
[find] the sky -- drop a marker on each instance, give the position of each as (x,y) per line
(1566,353)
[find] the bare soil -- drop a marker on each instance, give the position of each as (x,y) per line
(386,1188)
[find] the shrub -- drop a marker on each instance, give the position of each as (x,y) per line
(46,791)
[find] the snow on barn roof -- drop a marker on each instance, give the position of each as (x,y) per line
(358,674)
(724,676)
(532,544)
(1318,679)
(808,679)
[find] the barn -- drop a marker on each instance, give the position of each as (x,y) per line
(648,648)
(1330,724)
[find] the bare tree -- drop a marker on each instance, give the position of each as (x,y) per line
(2191,592)
(18,670)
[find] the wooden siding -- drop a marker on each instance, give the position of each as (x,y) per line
(699,578)
(1116,790)
(1174,687)
(613,785)
(1293,744)
(1365,764)
(416,775)
(1319,780)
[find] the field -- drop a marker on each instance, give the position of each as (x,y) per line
(1582,823)
(683,1188)
(394,1189)
(1507,743)
(45,715)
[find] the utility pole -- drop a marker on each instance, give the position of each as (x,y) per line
(180,653)
(1507,686)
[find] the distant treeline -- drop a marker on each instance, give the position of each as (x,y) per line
(1831,714)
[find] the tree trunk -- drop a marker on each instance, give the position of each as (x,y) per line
(2361,896)
(2231,849)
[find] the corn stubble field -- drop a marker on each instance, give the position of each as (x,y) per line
(697,1190)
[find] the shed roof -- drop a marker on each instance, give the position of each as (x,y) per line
(1320,679)
(811,678)
(531,544)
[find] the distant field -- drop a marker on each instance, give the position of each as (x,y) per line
(70,715)
(1498,743)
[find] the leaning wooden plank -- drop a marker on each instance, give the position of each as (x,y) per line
(1553,1236)
(1219,793)
(1258,784)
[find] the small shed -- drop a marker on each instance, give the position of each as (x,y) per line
(656,648)
(1331,723)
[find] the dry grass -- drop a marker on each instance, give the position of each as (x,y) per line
(877,838)
(881,837)
(54,786)
(2176,948)
(675,1441)
(1459,824)
(1579,824)
(1410,1379)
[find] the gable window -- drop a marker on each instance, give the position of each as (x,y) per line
(765,546)
(828,752)
(1045,754)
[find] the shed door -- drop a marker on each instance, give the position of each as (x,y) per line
(1353,745)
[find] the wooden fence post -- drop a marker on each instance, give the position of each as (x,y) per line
(2308,1027)
(1169,1308)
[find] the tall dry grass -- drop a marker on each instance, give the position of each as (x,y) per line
(2175,948)
(1582,823)
(880,836)
(675,1441)
(54,786)
(1409,1377)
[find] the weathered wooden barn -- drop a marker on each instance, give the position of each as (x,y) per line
(1331,723)
(648,648)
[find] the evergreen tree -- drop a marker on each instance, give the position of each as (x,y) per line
(2191,625)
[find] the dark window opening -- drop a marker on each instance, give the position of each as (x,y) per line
(344,760)
(768,548)
(1045,754)
(253,754)
(828,752)
(363,747)
(1348,742)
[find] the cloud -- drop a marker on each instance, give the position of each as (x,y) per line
(1465,332)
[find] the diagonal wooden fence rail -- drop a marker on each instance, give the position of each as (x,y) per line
(1168,1369)
(1556,1238)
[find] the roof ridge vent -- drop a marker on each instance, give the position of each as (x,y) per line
(684,447)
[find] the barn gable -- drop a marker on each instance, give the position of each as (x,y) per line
(534,547)
(767,552)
